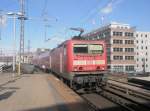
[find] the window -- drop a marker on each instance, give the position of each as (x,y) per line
(80,48)
(117,49)
(137,41)
(137,59)
(129,49)
(146,47)
(95,49)
(128,34)
(114,33)
(146,59)
(129,42)
(129,68)
(129,57)
(131,34)
(117,41)
(118,57)
(146,35)
(141,35)
(136,35)
(142,41)
(118,68)
(117,33)
(141,47)
(142,59)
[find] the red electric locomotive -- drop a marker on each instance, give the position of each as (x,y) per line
(80,62)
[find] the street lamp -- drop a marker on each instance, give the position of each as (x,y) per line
(14,34)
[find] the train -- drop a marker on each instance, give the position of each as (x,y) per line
(80,63)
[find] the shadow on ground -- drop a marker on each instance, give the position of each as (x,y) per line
(74,107)
(4,87)
(6,95)
(10,81)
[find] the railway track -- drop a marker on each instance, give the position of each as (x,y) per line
(131,97)
(119,96)
(132,84)
(130,89)
(100,103)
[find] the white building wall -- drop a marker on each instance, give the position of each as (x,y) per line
(142,51)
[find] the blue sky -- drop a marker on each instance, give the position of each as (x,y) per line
(87,14)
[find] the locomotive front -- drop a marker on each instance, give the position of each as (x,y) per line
(86,61)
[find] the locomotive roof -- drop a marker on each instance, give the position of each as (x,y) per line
(74,40)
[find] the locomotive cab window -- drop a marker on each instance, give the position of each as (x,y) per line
(88,48)
(80,48)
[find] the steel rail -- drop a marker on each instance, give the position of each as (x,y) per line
(129,89)
(126,95)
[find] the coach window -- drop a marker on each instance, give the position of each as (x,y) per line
(80,48)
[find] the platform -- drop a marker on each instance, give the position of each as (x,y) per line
(37,92)
(141,80)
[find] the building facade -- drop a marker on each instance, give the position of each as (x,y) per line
(142,51)
(120,45)
(6,56)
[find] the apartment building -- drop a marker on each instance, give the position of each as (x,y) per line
(120,45)
(142,51)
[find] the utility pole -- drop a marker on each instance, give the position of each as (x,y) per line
(28,54)
(102,20)
(28,46)
(0,24)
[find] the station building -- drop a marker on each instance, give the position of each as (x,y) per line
(120,45)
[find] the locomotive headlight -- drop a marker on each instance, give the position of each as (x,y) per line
(75,68)
(103,68)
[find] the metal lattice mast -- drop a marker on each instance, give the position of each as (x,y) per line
(22,20)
